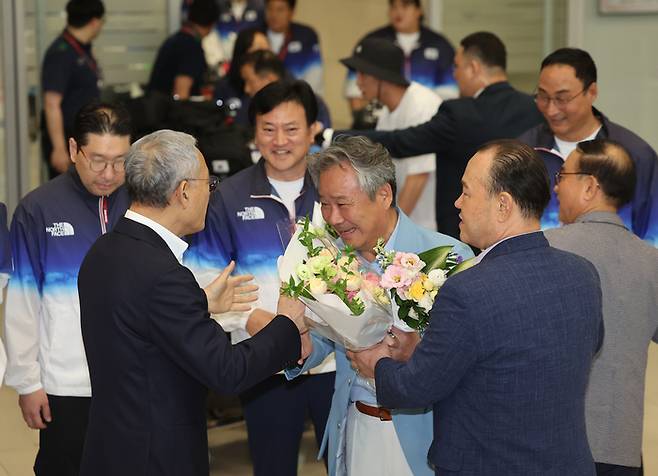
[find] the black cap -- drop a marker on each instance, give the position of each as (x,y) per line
(379,58)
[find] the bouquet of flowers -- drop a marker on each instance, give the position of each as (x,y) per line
(347,305)
(413,280)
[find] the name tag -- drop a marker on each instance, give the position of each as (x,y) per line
(431,53)
(294,47)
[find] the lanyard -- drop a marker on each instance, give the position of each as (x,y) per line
(87,58)
(283,52)
(103,213)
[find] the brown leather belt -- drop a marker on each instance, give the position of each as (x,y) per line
(384,414)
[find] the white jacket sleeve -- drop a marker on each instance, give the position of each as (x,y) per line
(23,307)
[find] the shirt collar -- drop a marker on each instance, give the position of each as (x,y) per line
(484,252)
(175,244)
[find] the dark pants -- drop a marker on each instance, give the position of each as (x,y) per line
(61,443)
(275,411)
(603,469)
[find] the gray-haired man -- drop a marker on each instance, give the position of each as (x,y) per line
(355,179)
(151,347)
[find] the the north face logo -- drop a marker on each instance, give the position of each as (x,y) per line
(251,213)
(60,229)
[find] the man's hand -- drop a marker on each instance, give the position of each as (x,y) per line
(402,344)
(294,310)
(230,293)
(258,319)
(35,409)
(60,160)
(364,361)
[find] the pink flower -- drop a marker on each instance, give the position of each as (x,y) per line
(410,261)
(351,295)
(396,277)
(372,278)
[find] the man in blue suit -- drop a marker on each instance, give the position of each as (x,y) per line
(356,184)
(506,358)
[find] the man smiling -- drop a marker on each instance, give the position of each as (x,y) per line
(356,184)
(565,95)
(248,221)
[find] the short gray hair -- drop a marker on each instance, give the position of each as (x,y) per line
(371,162)
(157,163)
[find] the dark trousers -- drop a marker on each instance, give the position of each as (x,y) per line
(603,469)
(61,443)
(275,411)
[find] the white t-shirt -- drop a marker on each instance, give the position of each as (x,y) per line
(417,106)
(564,148)
(276,40)
(407,41)
(288,192)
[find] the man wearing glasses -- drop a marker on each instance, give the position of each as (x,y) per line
(51,231)
(595,181)
(565,95)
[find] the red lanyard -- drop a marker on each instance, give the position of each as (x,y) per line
(87,58)
(283,52)
(104,214)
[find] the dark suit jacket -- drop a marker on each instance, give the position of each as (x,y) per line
(505,361)
(454,134)
(152,351)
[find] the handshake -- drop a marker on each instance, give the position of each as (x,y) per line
(235,293)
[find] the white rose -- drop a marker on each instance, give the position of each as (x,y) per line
(438,277)
(317,286)
(318,263)
(426,302)
(353,282)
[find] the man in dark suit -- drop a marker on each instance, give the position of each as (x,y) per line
(489,108)
(151,346)
(506,358)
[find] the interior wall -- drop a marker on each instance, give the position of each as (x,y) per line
(623,47)
(340,24)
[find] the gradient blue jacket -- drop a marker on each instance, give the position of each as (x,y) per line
(52,229)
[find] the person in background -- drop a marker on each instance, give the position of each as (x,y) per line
(70,79)
(248,221)
(51,231)
(489,108)
(379,65)
(180,64)
(5,269)
(566,92)
(428,55)
(295,44)
(596,180)
(263,67)
(229,90)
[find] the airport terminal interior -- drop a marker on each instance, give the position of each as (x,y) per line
(621,41)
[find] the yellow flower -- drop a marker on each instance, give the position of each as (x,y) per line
(417,290)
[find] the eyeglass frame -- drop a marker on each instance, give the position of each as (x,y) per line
(559,174)
(559,102)
(213,181)
(104,162)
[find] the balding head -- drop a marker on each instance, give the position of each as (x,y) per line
(612,167)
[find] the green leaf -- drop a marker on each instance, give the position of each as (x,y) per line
(435,258)
(469,263)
